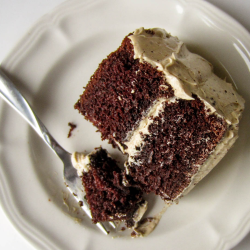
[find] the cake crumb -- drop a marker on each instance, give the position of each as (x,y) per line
(72,127)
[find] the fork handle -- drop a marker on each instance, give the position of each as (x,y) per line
(16,100)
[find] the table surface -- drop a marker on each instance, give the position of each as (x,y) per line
(15,18)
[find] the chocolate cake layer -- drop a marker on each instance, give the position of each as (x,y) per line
(178,141)
(108,198)
(120,92)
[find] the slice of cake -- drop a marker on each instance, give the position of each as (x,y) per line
(108,198)
(165,108)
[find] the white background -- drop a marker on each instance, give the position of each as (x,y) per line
(16,17)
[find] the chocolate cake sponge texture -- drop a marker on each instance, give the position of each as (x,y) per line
(164,107)
(108,198)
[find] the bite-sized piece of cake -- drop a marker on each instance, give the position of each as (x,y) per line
(165,108)
(108,198)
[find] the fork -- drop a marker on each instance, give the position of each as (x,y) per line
(72,181)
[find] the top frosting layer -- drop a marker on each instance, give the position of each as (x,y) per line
(187,73)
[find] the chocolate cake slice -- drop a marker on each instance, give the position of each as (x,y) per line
(108,198)
(165,108)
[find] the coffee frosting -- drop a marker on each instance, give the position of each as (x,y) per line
(187,73)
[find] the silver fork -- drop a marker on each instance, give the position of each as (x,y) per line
(73,182)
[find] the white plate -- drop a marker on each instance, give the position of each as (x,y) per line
(53,62)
